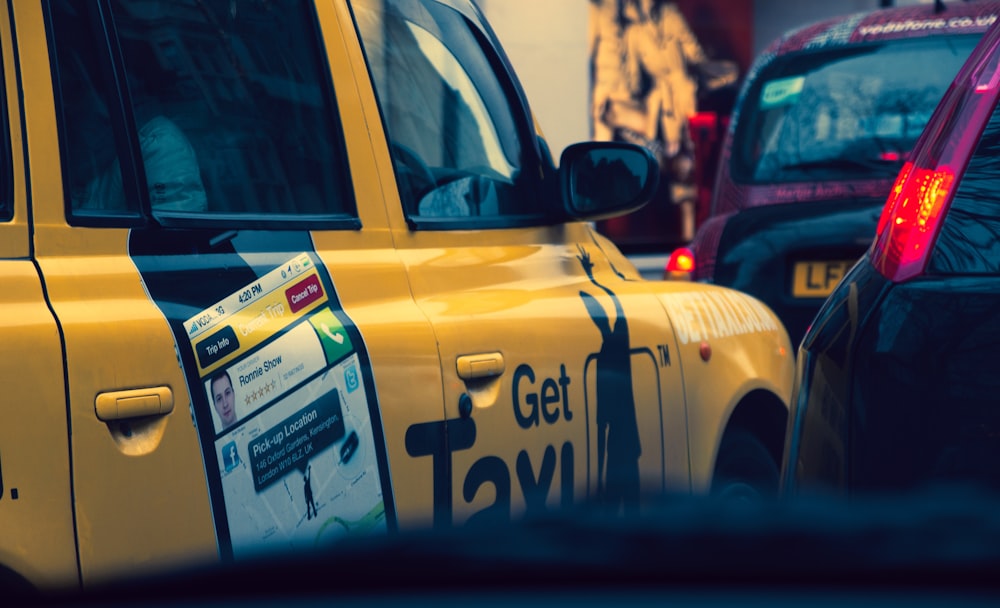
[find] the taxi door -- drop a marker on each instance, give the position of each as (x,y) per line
(559,382)
(36,516)
(212,247)
(139,497)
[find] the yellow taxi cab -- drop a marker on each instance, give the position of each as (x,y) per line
(280,272)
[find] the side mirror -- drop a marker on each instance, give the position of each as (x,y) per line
(605,179)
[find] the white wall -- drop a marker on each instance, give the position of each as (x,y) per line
(546,41)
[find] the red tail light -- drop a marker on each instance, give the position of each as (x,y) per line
(681,260)
(910,220)
(916,206)
(890,204)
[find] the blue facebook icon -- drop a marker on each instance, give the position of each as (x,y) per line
(230,457)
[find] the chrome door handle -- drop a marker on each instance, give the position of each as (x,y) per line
(480,365)
(116,405)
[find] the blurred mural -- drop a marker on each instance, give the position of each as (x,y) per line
(664,76)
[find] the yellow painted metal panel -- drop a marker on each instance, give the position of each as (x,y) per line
(748,350)
(115,339)
(537,424)
(36,519)
(102,308)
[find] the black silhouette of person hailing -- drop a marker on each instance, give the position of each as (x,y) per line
(310,504)
(618,446)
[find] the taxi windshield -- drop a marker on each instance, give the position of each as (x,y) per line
(846,114)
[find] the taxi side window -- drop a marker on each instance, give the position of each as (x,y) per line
(455,140)
(198,112)
(6,171)
(89,134)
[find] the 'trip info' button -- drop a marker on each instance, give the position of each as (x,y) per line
(216,346)
(304,293)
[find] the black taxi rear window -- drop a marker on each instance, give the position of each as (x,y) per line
(848,113)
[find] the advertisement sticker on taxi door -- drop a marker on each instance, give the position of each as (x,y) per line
(291,424)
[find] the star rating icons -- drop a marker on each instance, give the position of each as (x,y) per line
(261,393)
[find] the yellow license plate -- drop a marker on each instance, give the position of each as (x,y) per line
(817,279)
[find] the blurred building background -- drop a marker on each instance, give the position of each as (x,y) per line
(547,43)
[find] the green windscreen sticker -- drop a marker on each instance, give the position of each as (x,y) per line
(781,92)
